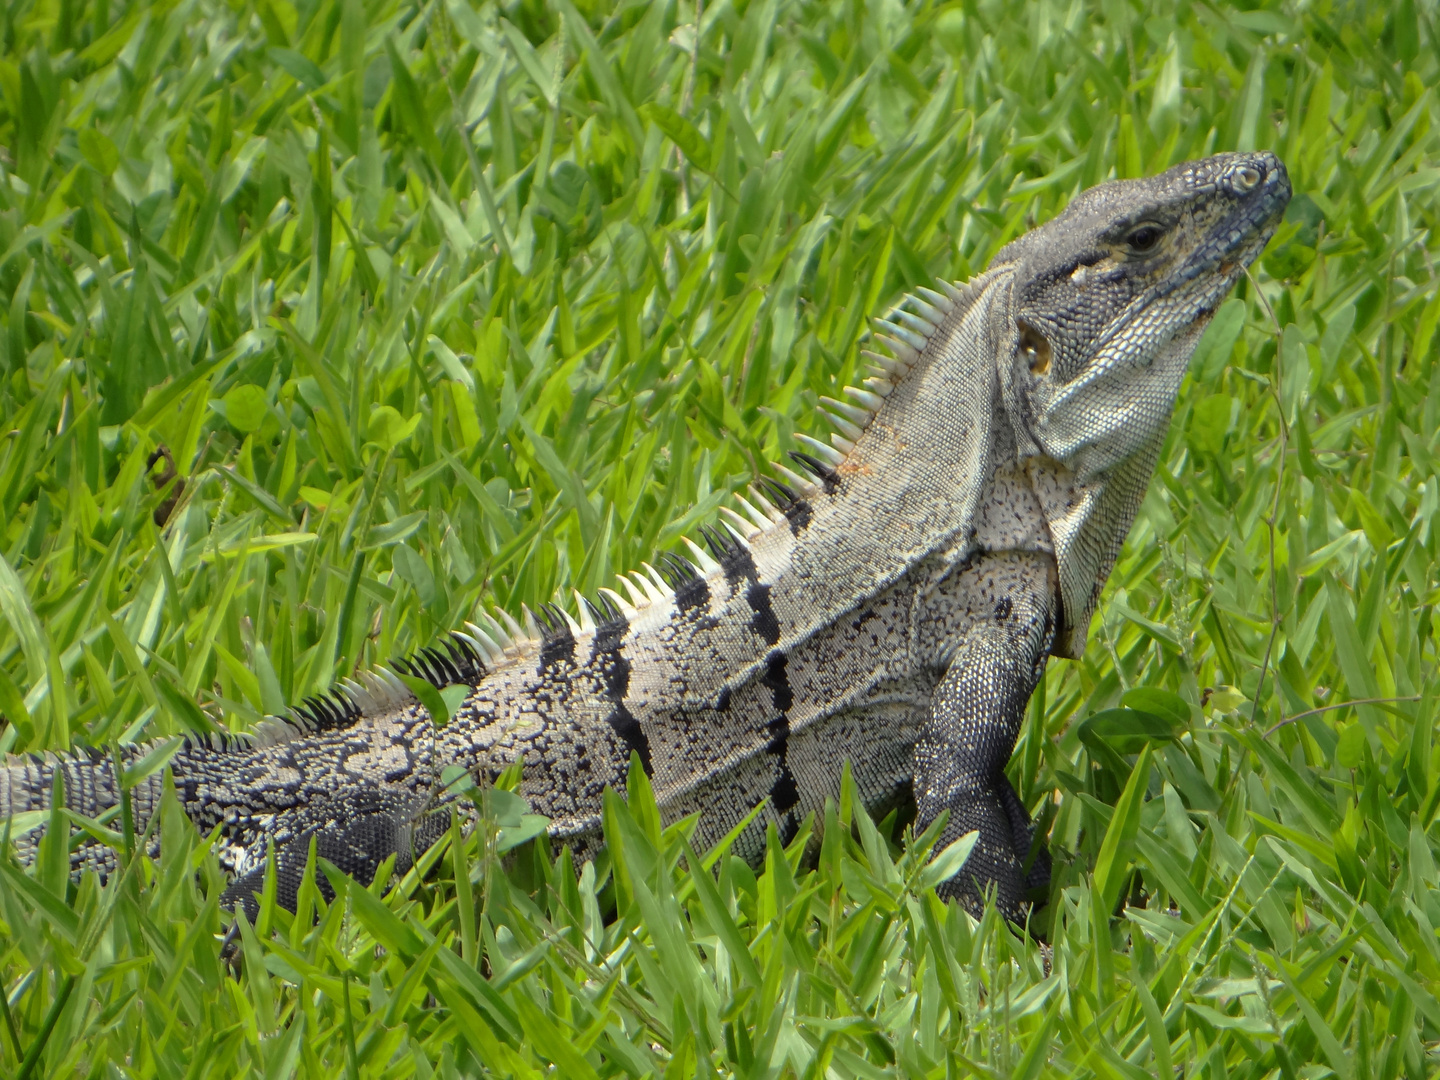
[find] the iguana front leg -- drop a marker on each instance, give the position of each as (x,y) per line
(975,716)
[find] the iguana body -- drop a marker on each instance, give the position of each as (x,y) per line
(895,611)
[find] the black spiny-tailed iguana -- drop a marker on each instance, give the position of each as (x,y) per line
(893,608)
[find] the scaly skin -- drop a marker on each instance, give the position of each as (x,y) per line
(894,611)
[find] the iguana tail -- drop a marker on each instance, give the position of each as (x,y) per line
(88,785)
(27,783)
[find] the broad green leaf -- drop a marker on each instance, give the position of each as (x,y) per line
(301,67)
(681,132)
(429,697)
(244,406)
(1218,342)
(1126,731)
(1115,849)
(948,862)
(1159,702)
(388,428)
(98,149)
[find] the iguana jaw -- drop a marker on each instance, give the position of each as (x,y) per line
(1235,238)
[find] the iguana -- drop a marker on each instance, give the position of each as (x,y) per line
(892,608)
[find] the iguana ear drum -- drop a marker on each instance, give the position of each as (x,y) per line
(1034,348)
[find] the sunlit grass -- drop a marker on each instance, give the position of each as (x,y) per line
(438,305)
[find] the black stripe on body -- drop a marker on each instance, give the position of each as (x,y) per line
(784,792)
(615,673)
(763,622)
(693,596)
(799,512)
(739,566)
(692,593)
(796,510)
(734,557)
(557,643)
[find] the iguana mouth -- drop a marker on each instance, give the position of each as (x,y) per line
(1242,234)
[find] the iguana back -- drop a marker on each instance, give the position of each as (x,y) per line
(892,608)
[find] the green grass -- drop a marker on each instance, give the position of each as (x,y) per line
(401,372)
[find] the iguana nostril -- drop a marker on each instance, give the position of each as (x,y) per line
(1246,178)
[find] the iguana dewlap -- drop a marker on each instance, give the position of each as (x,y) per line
(893,609)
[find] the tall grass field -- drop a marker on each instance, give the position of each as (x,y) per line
(325,322)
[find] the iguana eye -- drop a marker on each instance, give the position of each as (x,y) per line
(1144,238)
(1034,348)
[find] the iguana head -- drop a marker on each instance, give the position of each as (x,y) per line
(1110,299)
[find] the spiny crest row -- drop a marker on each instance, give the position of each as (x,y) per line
(771,502)
(497,639)
(905,335)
